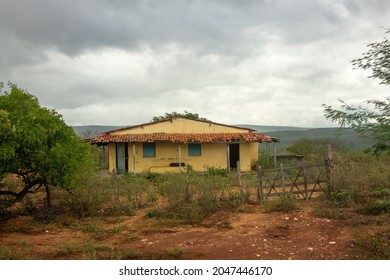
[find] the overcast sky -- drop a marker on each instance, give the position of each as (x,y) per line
(259,62)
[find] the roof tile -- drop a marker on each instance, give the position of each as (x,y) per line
(182,137)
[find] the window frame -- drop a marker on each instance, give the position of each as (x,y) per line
(194,149)
(149,150)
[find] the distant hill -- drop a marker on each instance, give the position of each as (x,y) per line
(269,128)
(287,134)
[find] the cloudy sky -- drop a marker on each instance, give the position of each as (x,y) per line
(121,62)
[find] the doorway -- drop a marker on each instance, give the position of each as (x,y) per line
(234,153)
(122,155)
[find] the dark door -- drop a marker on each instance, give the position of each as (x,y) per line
(234,152)
(122,163)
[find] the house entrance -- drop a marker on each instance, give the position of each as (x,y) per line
(234,152)
(122,154)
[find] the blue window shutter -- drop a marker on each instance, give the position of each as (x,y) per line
(194,149)
(149,150)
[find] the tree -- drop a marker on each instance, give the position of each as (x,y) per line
(186,114)
(373,120)
(37,147)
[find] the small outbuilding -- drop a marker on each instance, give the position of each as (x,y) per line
(171,144)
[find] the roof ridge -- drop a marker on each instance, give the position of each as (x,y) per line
(170,119)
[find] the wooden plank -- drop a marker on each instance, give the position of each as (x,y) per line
(295,192)
(240,181)
(188,183)
(260,194)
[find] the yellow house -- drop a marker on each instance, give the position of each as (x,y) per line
(171,144)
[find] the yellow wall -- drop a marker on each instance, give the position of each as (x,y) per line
(254,151)
(213,155)
(180,125)
(111,156)
(166,153)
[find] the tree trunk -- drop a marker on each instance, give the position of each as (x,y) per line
(48,196)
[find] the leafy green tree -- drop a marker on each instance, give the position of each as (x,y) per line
(186,114)
(37,147)
(373,120)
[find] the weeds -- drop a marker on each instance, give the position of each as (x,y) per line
(358,186)
(284,203)
(213,171)
(8,253)
(175,253)
(377,207)
(328,209)
(373,247)
(208,194)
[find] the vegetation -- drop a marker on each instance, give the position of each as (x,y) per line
(209,192)
(314,150)
(284,203)
(37,150)
(372,121)
(93,210)
(186,114)
(36,147)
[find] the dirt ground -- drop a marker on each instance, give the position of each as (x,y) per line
(251,234)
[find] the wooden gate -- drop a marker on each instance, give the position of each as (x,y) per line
(303,180)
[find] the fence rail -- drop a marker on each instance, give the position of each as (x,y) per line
(302,180)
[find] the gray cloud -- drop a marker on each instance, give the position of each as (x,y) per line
(122,62)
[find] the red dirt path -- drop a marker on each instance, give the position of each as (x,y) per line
(250,234)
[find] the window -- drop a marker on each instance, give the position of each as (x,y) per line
(194,149)
(149,150)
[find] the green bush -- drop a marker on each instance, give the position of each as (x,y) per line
(377,207)
(341,198)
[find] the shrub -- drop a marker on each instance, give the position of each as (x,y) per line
(373,247)
(207,194)
(214,171)
(340,198)
(380,206)
(314,149)
(329,209)
(7,253)
(284,203)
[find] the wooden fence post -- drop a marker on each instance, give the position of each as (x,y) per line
(240,181)
(260,193)
(282,174)
(329,167)
(188,183)
(305,182)
(116,186)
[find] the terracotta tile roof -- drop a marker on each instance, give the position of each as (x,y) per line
(182,137)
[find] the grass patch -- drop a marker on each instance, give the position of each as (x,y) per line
(377,207)
(284,203)
(8,253)
(90,251)
(373,247)
(24,251)
(175,253)
(341,198)
(327,209)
